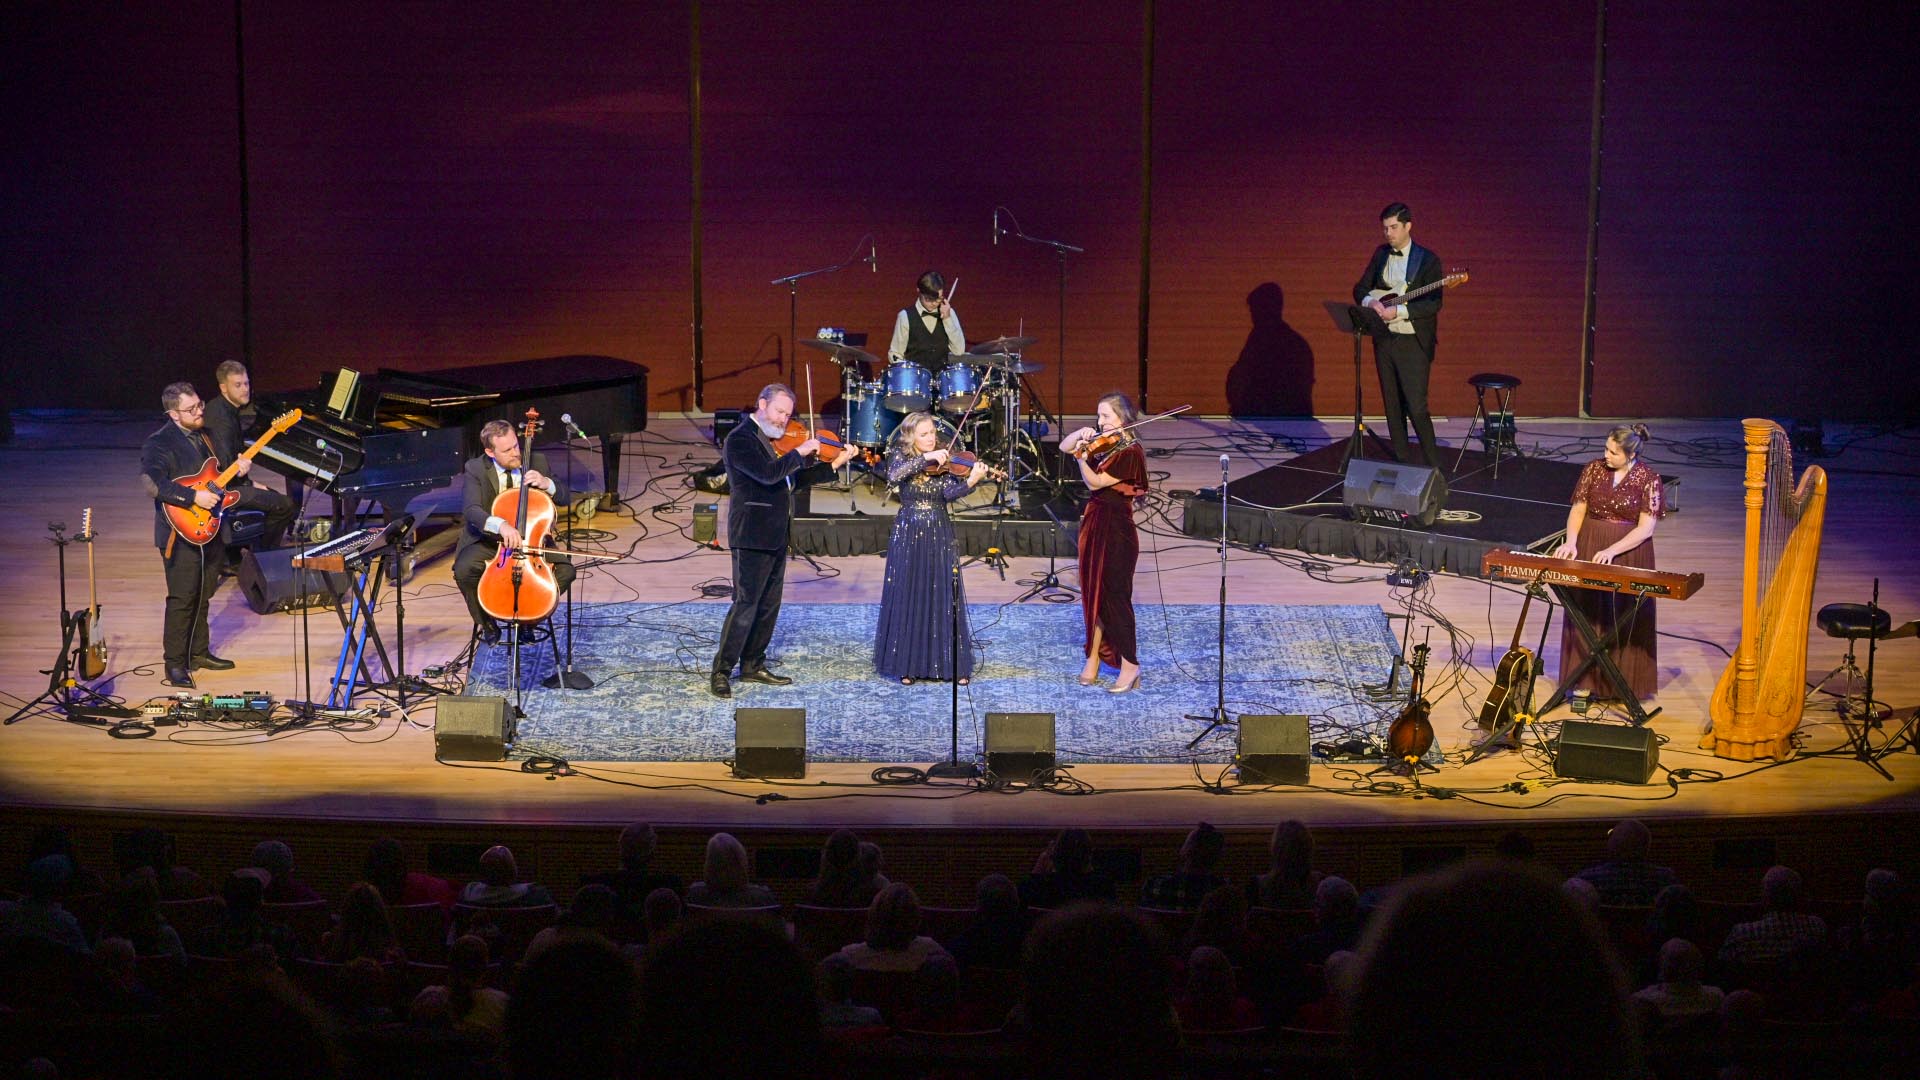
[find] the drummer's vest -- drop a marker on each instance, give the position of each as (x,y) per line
(928,348)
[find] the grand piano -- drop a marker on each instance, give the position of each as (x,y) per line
(397,434)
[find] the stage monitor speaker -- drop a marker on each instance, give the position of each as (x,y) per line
(770,744)
(706,522)
(1617,752)
(472,728)
(1389,493)
(724,421)
(270,583)
(1272,749)
(1019,744)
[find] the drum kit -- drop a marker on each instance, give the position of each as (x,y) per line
(980,390)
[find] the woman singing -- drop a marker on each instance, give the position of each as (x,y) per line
(1615,506)
(1109,542)
(914,639)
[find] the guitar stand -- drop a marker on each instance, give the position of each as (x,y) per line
(1410,767)
(1508,733)
(64,692)
(1600,653)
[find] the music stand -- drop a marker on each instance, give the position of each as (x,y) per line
(1361,322)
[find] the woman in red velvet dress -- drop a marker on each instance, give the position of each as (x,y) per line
(1110,544)
(1615,507)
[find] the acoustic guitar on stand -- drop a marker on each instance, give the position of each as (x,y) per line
(197,525)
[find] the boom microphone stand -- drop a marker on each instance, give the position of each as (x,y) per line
(792,282)
(1219,718)
(1061,250)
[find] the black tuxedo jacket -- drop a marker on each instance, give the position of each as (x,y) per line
(1423,268)
(228,430)
(167,453)
(759,500)
(482,484)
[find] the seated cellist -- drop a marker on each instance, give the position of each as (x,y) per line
(481,532)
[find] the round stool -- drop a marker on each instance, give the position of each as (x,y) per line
(1854,622)
(1502,388)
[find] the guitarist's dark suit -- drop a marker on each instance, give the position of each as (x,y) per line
(1406,360)
(760,487)
(477,546)
(191,571)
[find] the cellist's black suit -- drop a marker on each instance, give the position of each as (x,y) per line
(477,546)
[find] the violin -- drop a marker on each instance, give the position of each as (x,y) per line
(1411,735)
(798,433)
(518,585)
(960,463)
(1107,443)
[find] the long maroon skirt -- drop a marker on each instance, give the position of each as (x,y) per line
(1635,652)
(1109,550)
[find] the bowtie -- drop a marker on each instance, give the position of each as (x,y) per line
(1394,254)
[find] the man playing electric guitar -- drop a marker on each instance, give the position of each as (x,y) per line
(1404,354)
(179,448)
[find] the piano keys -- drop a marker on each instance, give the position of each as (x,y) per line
(346,554)
(1525,567)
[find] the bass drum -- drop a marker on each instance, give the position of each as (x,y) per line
(869,422)
(907,387)
(960,388)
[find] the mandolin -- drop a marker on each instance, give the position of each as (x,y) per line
(197,525)
(1411,735)
(93,639)
(1513,679)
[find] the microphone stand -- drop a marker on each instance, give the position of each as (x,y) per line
(566,676)
(1061,250)
(1219,718)
(792,282)
(953,768)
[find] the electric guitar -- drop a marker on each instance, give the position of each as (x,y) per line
(1394,299)
(93,639)
(196,524)
(1513,679)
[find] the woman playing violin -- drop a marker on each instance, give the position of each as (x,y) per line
(914,638)
(1115,470)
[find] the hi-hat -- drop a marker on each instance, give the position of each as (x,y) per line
(838,352)
(1007,362)
(1002,345)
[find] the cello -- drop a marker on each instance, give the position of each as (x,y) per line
(518,585)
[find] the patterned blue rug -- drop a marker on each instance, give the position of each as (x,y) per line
(650,664)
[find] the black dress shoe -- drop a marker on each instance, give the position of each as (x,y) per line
(490,634)
(720,686)
(178,677)
(762,675)
(212,663)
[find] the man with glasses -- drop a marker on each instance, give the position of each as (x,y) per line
(179,448)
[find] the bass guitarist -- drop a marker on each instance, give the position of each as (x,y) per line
(179,448)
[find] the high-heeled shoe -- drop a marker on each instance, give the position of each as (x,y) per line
(1094,681)
(1116,688)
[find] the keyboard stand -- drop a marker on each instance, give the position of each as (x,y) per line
(1599,652)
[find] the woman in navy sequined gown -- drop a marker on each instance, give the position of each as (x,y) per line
(914,639)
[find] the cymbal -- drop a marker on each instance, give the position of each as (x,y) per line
(840,353)
(1006,362)
(1001,345)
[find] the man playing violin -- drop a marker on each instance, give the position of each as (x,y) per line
(760,483)
(503,465)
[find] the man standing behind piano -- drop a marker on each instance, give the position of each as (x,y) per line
(502,466)
(179,448)
(230,415)
(760,483)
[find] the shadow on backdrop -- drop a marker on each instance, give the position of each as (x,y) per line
(1274,374)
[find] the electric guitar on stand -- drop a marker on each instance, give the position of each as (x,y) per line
(197,525)
(93,639)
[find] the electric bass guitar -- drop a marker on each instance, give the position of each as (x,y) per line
(196,524)
(93,638)
(1513,679)
(1394,299)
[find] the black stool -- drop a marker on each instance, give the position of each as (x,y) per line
(1497,438)
(1855,622)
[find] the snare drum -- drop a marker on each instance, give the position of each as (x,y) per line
(907,387)
(959,387)
(869,423)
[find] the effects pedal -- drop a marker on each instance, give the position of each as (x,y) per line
(1407,576)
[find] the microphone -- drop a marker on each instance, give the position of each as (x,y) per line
(996,226)
(573,429)
(1223,468)
(873,256)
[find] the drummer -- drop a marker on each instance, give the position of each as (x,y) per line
(927,331)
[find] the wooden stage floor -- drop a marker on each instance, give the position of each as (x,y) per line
(58,464)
